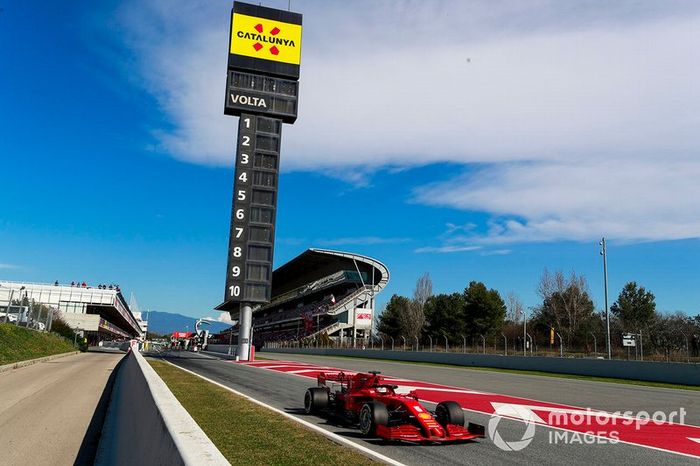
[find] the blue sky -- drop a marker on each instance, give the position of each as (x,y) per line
(496,139)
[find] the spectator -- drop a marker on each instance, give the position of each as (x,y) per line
(84,285)
(55,283)
(72,283)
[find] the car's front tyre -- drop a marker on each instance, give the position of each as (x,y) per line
(449,412)
(373,414)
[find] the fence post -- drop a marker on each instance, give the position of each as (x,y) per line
(505,340)
(483,342)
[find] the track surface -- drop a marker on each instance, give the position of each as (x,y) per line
(285,391)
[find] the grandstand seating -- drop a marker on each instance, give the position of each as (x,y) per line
(317,292)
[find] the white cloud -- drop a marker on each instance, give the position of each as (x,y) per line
(636,200)
(496,252)
(362,240)
(583,116)
(224,317)
(8,266)
(447,248)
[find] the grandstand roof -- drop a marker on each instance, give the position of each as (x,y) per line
(314,264)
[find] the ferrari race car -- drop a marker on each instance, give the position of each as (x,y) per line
(366,400)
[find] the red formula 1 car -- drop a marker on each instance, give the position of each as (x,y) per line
(367,400)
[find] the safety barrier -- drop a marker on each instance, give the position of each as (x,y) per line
(145,424)
(673,372)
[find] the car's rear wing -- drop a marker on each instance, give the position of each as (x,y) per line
(333,377)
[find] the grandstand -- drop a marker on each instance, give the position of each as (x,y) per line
(102,313)
(318,293)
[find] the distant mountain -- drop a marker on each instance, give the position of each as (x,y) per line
(166,323)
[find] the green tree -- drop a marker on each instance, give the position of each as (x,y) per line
(635,307)
(556,312)
(566,306)
(413,317)
(60,327)
(444,315)
(484,310)
(390,321)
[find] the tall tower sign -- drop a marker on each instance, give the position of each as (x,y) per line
(262,89)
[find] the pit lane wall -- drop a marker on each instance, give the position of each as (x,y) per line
(145,424)
(676,373)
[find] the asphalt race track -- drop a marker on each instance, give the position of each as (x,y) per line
(284,390)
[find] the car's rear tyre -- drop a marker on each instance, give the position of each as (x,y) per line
(373,414)
(449,412)
(315,400)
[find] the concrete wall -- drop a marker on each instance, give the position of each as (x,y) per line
(145,424)
(221,349)
(89,322)
(680,373)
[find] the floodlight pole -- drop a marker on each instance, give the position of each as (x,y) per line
(604,253)
(561,346)
(687,348)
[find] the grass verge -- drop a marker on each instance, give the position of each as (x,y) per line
(21,344)
(246,433)
(524,372)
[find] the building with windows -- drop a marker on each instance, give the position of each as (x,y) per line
(103,314)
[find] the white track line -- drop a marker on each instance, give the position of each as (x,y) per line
(333,436)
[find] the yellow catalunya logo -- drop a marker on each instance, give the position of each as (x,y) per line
(265,39)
